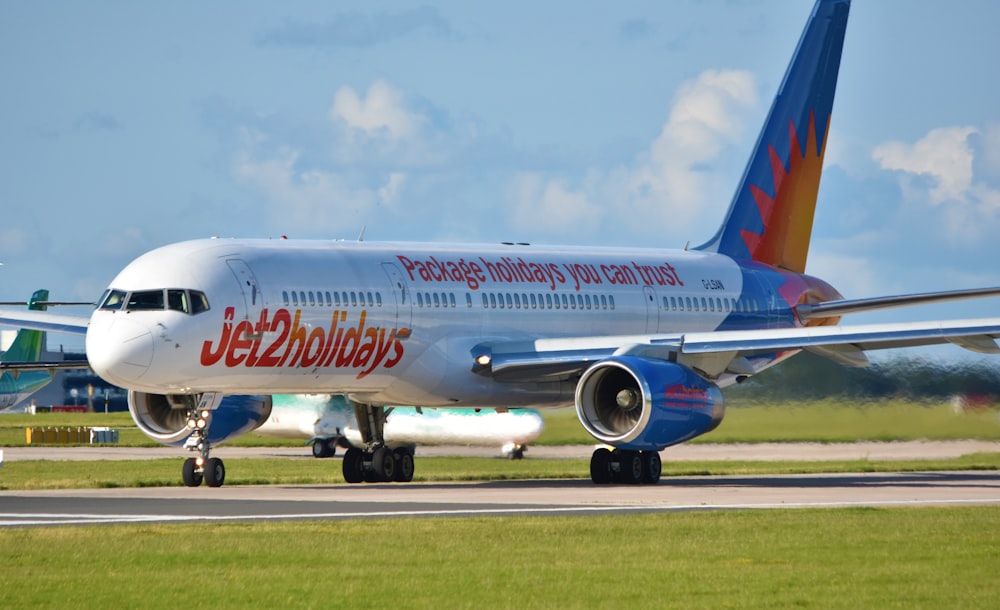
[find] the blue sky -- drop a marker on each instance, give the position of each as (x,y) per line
(129,125)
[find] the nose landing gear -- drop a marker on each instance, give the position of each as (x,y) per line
(202,468)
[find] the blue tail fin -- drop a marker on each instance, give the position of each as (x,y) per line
(771,216)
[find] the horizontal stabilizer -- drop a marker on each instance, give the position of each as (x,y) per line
(44,366)
(42,320)
(45,303)
(832,309)
(863,337)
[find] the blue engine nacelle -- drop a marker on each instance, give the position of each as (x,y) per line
(164,417)
(646,404)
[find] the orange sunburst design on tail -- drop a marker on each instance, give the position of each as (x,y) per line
(787,223)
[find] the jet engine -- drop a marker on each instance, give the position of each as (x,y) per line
(167,418)
(646,404)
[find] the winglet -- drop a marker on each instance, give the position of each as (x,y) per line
(770,218)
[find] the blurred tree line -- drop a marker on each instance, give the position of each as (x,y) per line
(807,376)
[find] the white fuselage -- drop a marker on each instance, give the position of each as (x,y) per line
(392,323)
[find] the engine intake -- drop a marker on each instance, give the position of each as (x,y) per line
(164,417)
(646,404)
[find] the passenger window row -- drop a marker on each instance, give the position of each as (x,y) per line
(521,300)
(436,299)
(726,304)
(327,298)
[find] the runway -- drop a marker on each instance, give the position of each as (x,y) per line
(553,497)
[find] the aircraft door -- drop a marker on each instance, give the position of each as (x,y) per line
(652,309)
(252,296)
(764,301)
(401,292)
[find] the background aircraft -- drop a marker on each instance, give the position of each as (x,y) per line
(21,377)
(328,420)
(203,333)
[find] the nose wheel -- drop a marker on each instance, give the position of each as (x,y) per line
(202,468)
(195,470)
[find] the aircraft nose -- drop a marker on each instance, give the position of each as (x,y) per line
(119,350)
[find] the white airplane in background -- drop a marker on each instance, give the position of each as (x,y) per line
(203,332)
(327,420)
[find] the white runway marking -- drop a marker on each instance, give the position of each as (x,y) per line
(35,519)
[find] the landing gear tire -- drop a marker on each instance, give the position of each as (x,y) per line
(190,474)
(404,466)
(600,466)
(630,466)
(215,472)
(384,464)
(324,448)
(651,467)
(353,467)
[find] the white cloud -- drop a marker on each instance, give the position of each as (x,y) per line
(550,206)
(309,199)
(953,171)
(662,193)
(343,189)
(380,114)
(666,188)
(942,155)
(389,192)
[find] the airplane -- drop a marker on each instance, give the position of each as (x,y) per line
(638,340)
(327,420)
(21,377)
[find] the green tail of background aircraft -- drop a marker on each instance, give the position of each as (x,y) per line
(17,385)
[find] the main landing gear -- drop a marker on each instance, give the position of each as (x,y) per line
(376,463)
(625,466)
(202,468)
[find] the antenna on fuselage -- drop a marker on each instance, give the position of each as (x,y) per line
(361,236)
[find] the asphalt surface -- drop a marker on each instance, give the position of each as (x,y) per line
(554,497)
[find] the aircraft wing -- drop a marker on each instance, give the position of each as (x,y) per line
(46,321)
(717,352)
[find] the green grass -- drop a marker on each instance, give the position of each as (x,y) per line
(826,421)
(52,474)
(817,421)
(842,558)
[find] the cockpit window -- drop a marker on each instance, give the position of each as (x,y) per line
(199,302)
(177,300)
(112,300)
(145,300)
